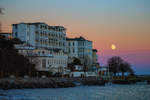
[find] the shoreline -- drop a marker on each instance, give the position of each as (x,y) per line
(27,83)
(31,83)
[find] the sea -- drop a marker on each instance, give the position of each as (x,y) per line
(107,92)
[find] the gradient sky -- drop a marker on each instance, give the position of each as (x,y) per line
(125,23)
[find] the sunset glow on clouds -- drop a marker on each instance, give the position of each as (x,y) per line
(125,23)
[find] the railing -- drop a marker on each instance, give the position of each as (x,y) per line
(40,55)
(24,47)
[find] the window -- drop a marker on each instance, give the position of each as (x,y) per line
(45,27)
(69,50)
(73,50)
(43,63)
(41,26)
(16,34)
(16,26)
(73,43)
(52,61)
(48,61)
(27,33)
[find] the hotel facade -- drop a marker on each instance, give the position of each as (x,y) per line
(41,35)
(79,48)
(48,47)
(44,44)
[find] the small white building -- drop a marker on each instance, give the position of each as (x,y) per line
(45,60)
(83,74)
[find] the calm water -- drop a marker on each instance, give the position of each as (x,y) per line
(113,92)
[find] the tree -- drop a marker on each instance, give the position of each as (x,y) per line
(6,44)
(71,66)
(11,62)
(124,67)
(87,62)
(17,41)
(131,71)
(114,63)
(76,61)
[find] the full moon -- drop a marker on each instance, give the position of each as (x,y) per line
(113,47)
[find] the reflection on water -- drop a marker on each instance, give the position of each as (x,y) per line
(113,92)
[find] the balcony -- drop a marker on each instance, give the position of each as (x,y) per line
(39,55)
(24,47)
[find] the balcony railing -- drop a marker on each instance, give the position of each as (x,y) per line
(24,47)
(39,55)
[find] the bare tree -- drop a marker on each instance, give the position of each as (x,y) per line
(131,71)
(114,63)
(87,62)
(124,67)
(117,64)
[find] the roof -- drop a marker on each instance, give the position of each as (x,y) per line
(57,27)
(77,39)
(30,23)
(37,23)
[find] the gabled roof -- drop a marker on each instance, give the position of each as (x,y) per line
(77,39)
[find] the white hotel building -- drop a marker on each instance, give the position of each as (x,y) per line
(48,45)
(41,35)
(79,48)
(44,43)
